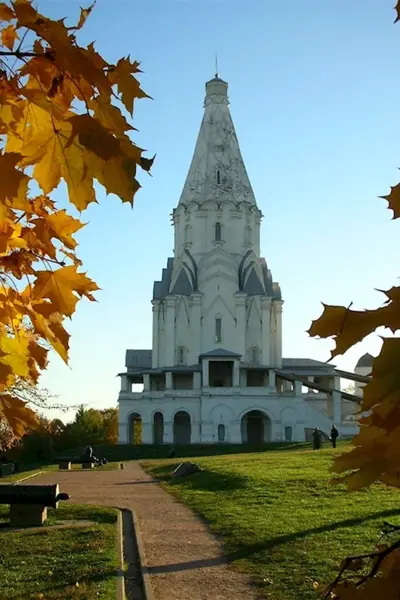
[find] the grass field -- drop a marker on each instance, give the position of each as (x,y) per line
(279,517)
(30,470)
(71,563)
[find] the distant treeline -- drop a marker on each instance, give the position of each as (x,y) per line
(90,427)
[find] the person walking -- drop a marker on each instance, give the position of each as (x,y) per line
(316,439)
(334,436)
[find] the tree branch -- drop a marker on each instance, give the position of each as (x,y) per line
(18,54)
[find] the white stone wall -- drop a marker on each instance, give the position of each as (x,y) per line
(194,228)
(221,407)
(189,323)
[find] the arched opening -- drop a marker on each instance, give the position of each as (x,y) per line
(218,232)
(158,428)
(135,429)
(256,428)
(288,433)
(218,177)
(182,428)
(221,432)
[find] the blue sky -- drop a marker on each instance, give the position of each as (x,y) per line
(314,94)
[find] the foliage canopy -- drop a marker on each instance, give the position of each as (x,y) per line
(63,118)
(376,455)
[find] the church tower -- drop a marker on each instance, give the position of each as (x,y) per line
(216,296)
(215,372)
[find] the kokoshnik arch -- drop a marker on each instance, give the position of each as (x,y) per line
(215,373)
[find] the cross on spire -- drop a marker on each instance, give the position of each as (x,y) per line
(216,65)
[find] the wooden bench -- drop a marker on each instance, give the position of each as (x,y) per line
(6,469)
(29,503)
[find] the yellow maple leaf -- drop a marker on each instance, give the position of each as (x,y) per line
(349,326)
(8,36)
(109,115)
(63,226)
(85,12)
(14,183)
(6,14)
(393,200)
(94,137)
(128,86)
(15,353)
(47,324)
(18,415)
(62,287)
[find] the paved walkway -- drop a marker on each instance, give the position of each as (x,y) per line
(185,561)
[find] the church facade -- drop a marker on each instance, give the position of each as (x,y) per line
(215,373)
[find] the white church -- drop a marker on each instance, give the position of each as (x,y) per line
(215,373)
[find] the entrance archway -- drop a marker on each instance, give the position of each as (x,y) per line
(256,428)
(182,428)
(135,429)
(158,428)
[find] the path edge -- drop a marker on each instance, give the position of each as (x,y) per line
(147,588)
(120,553)
(26,478)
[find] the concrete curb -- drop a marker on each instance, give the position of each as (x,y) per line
(26,478)
(147,589)
(120,551)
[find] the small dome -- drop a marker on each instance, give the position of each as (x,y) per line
(365,361)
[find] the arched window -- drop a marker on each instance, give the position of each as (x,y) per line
(217,232)
(221,432)
(218,330)
(218,177)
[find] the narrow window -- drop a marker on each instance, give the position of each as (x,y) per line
(181,355)
(218,177)
(254,355)
(221,433)
(218,329)
(217,232)
(248,235)
(187,234)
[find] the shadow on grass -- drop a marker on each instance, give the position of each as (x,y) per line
(247,550)
(205,480)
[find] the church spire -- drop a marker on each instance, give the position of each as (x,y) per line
(217,172)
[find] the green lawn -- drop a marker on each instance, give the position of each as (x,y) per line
(28,470)
(279,517)
(78,562)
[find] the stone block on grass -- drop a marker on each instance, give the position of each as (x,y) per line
(27,515)
(64,465)
(185,469)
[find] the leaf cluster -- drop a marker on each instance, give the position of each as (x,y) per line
(370,576)
(63,118)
